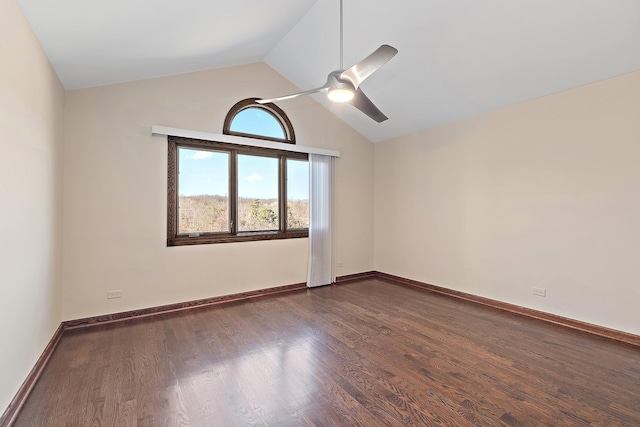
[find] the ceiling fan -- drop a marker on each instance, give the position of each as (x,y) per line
(344,85)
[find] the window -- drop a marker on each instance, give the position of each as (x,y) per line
(265,121)
(220,192)
(258,193)
(203,201)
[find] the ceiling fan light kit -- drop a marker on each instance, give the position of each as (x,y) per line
(344,85)
(340,91)
(340,95)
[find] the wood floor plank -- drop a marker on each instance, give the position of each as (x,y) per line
(363,353)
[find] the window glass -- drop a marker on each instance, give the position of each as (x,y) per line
(203,187)
(258,206)
(297,194)
(256,121)
(220,193)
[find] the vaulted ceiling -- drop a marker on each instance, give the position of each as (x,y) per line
(457,58)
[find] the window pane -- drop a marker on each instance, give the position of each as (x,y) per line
(203,187)
(257,193)
(297,194)
(257,121)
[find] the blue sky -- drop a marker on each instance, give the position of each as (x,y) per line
(257,122)
(206,172)
(298,179)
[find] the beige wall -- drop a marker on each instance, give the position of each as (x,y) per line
(31,104)
(544,194)
(115,193)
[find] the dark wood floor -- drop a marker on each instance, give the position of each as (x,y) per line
(367,353)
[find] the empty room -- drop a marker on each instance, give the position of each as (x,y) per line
(320,213)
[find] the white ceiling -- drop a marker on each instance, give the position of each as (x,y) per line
(457,58)
(97,42)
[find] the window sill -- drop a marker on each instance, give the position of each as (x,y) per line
(230,238)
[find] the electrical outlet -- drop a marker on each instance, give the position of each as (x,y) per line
(541,292)
(340,264)
(114,294)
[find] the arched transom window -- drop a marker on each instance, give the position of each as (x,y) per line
(266,121)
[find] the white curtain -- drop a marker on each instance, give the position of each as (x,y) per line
(321,220)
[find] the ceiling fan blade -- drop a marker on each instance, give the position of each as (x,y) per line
(293,95)
(363,69)
(364,104)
